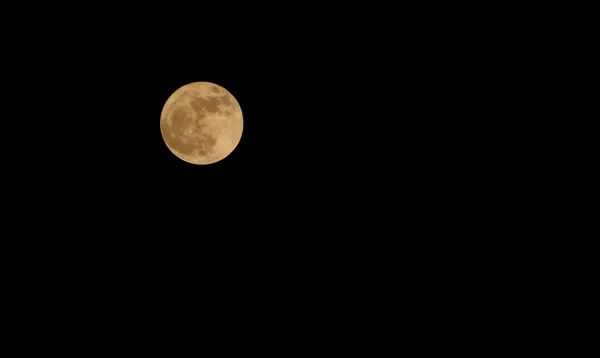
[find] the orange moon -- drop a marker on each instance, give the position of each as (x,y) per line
(201,123)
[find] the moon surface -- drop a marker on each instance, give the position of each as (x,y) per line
(201,123)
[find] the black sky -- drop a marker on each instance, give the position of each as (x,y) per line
(373,154)
(342,118)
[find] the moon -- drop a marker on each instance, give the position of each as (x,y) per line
(201,123)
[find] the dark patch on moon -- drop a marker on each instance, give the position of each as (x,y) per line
(210,105)
(197,104)
(226,100)
(179,119)
(215,89)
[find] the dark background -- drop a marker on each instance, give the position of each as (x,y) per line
(370,183)
(360,125)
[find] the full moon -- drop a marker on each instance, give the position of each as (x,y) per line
(201,123)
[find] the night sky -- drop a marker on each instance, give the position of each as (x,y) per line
(350,125)
(378,177)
